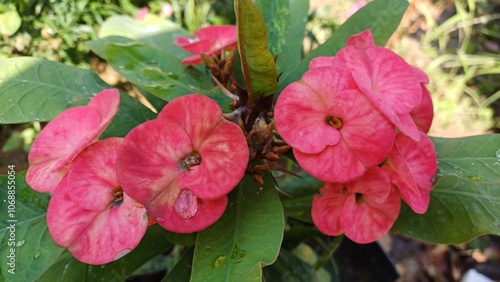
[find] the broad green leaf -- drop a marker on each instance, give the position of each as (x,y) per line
(10,22)
(37,90)
(466,198)
(382,17)
(182,270)
(157,71)
(286,25)
(247,237)
(258,66)
(159,34)
(67,268)
(34,249)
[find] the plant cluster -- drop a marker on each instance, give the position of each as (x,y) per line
(248,149)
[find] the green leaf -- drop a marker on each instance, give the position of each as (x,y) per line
(182,269)
(258,66)
(67,268)
(382,17)
(464,202)
(156,71)
(37,90)
(33,248)
(158,34)
(10,22)
(247,237)
(286,25)
(288,268)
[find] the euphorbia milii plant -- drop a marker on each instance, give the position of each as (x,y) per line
(266,143)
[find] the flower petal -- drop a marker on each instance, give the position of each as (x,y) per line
(106,103)
(94,170)
(364,223)
(58,143)
(327,208)
(148,161)
(224,158)
(415,163)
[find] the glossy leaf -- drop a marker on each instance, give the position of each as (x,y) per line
(382,17)
(247,237)
(286,25)
(465,200)
(153,69)
(159,33)
(258,66)
(182,269)
(37,90)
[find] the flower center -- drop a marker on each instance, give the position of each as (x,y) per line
(189,161)
(334,122)
(186,204)
(359,198)
(117,198)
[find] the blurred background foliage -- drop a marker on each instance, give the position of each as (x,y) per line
(456,42)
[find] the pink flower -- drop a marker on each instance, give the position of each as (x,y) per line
(383,77)
(423,114)
(89,214)
(335,132)
(141,14)
(209,40)
(411,166)
(182,165)
(67,134)
(364,210)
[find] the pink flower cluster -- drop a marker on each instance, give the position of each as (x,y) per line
(174,168)
(358,121)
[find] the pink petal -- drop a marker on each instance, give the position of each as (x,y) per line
(163,209)
(187,111)
(416,164)
(302,109)
(58,143)
(300,118)
(365,223)
(209,40)
(94,170)
(224,158)
(386,79)
(327,208)
(106,103)
(148,161)
(423,114)
(65,136)
(360,147)
(95,237)
(321,62)
(374,185)
(361,40)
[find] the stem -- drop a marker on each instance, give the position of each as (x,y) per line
(329,250)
